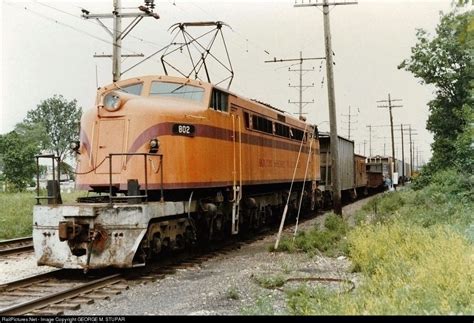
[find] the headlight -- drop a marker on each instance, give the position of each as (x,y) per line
(112,102)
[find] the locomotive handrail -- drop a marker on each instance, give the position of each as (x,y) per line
(56,193)
(145,155)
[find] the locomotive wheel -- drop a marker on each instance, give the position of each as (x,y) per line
(189,238)
(156,244)
(180,242)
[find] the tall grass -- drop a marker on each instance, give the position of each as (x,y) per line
(16,212)
(329,241)
(415,252)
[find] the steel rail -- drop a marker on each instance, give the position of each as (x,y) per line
(16,240)
(44,301)
(19,249)
(28,280)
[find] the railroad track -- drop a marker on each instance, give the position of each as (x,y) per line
(16,246)
(54,292)
(66,290)
(62,290)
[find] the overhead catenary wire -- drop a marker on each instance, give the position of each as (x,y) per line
(245,38)
(65,25)
(94,22)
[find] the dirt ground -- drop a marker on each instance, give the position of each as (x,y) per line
(229,284)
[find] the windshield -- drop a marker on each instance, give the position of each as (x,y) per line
(132,89)
(177,90)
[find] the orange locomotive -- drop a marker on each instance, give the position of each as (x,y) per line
(180,160)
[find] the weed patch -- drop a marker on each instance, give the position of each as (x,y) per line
(270,282)
(414,250)
(330,241)
(233,293)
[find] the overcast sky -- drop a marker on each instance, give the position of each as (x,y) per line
(48,49)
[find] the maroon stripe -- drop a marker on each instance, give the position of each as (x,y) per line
(169,186)
(154,131)
(87,146)
(206,131)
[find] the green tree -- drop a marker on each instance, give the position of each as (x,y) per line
(17,149)
(446,61)
(60,118)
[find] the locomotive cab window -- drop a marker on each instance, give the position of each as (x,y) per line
(135,89)
(282,130)
(297,134)
(247,120)
(262,124)
(177,90)
(219,100)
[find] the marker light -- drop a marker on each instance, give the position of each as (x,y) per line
(75,145)
(154,145)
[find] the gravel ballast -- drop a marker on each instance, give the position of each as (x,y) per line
(228,284)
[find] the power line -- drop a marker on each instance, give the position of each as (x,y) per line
(97,23)
(118,34)
(301,87)
(390,106)
(349,115)
(60,23)
(336,182)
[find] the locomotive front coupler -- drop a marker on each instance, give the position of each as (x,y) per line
(97,240)
(89,251)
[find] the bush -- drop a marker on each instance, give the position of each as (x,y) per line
(414,250)
(330,241)
(407,270)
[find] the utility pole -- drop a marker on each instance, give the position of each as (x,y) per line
(403,157)
(370,139)
(117,34)
(418,158)
(349,121)
(411,152)
(301,87)
(390,107)
(336,182)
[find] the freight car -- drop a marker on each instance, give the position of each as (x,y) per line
(379,169)
(170,161)
(352,169)
(361,180)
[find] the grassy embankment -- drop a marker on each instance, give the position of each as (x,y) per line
(16,212)
(414,250)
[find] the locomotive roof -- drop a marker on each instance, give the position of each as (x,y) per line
(207,86)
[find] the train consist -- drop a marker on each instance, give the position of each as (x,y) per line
(172,161)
